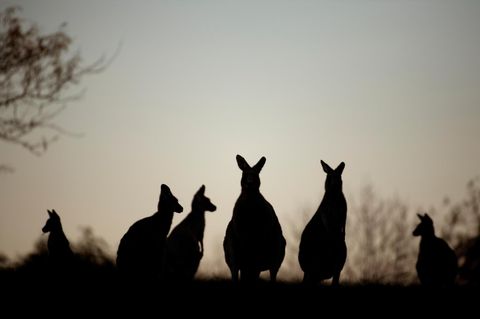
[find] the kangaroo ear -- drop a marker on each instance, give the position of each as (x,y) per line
(258,167)
(201,191)
(54,213)
(327,169)
(242,163)
(49,212)
(420,216)
(165,191)
(340,168)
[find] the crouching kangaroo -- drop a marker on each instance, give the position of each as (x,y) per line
(60,254)
(323,251)
(142,248)
(253,240)
(437,262)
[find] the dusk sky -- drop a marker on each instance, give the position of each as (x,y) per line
(392,88)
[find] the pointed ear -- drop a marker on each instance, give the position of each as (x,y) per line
(426,216)
(49,212)
(201,191)
(54,213)
(164,190)
(242,163)
(327,169)
(420,216)
(340,168)
(258,167)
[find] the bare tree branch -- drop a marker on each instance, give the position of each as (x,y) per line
(5,169)
(36,72)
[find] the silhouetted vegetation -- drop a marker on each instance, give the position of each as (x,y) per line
(3,261)
(91,257)
(36,72)
(464,218)
(382,250)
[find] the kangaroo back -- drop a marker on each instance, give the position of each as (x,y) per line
(141,250)
(254,240)
(323,252)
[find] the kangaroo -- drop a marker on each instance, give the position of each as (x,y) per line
(185,242)
(437,262)
(253,240)
(323,252)
(142,248)
(59,251)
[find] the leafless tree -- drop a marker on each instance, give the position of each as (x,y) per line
(383,249)
(36,73)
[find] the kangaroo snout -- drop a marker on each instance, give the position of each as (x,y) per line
(178,209)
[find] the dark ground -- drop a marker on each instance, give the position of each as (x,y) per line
(108,294)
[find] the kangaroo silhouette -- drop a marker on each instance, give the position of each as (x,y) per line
(185,242)
(253,240)
(323,251)
(59,251)
(437,262)
(141,250)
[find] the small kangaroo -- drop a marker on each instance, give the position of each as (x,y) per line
(253,240)
(185,242)
(59,250)
(142,248)
(437,262)
(323,251)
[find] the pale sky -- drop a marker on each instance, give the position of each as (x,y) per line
(392,88)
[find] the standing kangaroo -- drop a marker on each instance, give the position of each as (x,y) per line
(142,248)
(323,251)
(437,262)
(59,251)
(253,241)
(185,242)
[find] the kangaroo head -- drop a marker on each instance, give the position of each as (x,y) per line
(250,175)
(167,201)
(201,202)
(334,176)
(425,227)
(53,222)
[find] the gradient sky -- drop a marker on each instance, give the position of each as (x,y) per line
(390,87)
